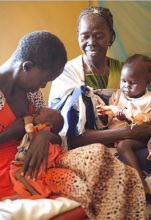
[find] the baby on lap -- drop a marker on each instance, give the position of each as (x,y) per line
(44,118)
(132,95)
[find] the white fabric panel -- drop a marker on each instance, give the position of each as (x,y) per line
(40,209)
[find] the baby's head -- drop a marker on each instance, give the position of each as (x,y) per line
(50,117)
(136,75)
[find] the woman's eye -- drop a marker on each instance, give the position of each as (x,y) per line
(99,37)
(84,37)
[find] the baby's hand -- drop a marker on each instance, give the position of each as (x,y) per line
(28,119)
(149,149)
(122,117)
(29,127)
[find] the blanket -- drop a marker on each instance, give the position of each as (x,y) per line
(23,209)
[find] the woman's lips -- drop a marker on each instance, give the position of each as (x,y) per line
(92,52)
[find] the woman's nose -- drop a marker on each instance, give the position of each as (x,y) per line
(91,41)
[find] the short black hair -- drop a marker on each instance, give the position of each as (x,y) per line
(139,57)
(56,119)
(43,48)
(98,11)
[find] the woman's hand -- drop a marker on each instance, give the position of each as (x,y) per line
(141,132)
(38,152)
(120,116)
(15,132)
(102,116)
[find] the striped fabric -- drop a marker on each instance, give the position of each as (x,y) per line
(96,81)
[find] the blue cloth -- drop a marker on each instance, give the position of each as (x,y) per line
(73,113)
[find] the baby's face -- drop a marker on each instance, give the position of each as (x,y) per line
(134,79)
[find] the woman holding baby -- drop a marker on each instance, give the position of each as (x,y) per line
(95,178)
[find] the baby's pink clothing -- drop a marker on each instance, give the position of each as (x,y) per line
(141,104)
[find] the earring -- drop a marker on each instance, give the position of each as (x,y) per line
(110,43)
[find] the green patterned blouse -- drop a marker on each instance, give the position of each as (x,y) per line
(112,81)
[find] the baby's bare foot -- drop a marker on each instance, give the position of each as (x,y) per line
(149,156)
(12,197)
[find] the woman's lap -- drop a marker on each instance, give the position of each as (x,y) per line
(103,180)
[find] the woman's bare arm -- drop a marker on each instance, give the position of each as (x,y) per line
(15,132)
(139,132)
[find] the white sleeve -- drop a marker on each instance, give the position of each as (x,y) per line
(71,78)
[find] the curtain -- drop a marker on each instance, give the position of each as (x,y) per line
(132,24)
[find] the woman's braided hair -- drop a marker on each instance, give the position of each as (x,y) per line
(139,57)
(98,11)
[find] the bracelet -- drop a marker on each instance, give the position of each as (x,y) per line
(29,128)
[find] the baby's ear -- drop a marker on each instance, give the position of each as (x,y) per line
(49,124)
(148,82)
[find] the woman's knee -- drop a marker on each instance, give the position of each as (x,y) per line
(124,146)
